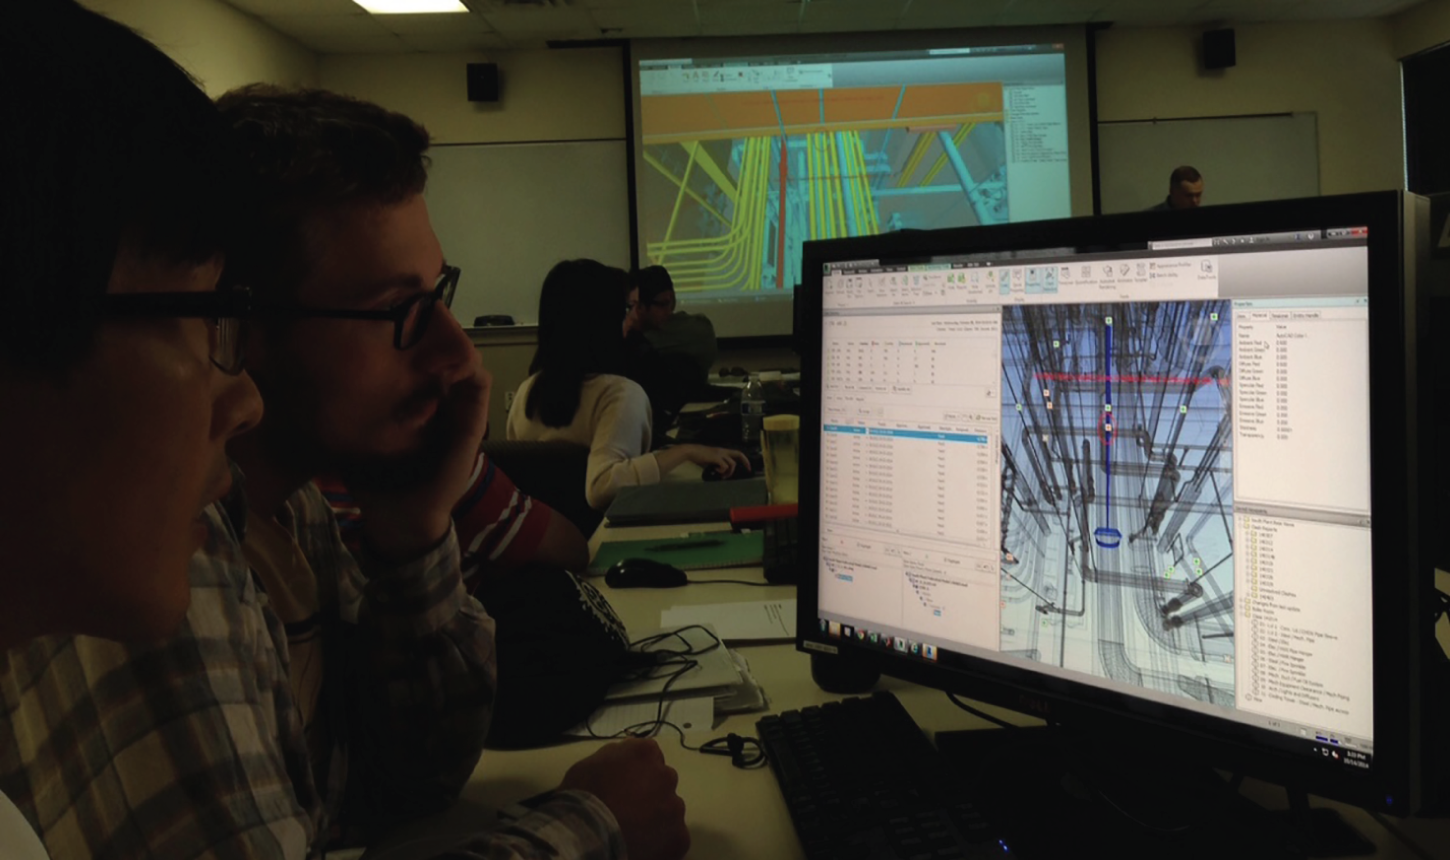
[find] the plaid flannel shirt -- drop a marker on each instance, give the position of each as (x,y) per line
(194,747)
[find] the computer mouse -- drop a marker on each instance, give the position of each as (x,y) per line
(644,573)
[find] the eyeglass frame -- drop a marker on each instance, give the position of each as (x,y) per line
(230,304)
(442,291)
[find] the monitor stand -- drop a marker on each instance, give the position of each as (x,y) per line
(1061,794)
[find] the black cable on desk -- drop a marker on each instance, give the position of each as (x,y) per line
(744,752)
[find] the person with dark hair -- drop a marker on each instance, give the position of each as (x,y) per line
(683,342)
(576,392)
(318,696)
(372,380)
(1185,190)
(122,379)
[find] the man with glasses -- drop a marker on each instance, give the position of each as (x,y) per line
(684,341)
(122,382)
(368,377)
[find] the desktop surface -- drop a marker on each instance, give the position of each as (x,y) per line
(736,813)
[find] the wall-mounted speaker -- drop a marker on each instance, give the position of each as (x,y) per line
(1218,49)
(483,82)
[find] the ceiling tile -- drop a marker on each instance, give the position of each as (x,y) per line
(647,22)
(426,25)
(263,8)
(1047,15)
(302,26)
(731,13)
(1325,9)
(840,16)
(385,44)
(931,14)
(435,43)
(537,20)
(629,4)
(748,27)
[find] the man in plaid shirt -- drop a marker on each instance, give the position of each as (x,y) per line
(225,740)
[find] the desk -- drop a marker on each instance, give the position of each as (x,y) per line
(737,813)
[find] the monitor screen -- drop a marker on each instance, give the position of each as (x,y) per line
(746,154)
(1136,468)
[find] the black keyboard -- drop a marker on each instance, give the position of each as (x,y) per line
(861,780)
(782,551)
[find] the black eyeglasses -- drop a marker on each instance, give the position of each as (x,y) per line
(224,311)
(409,317)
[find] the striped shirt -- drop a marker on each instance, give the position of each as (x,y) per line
(194,747)
(498,525)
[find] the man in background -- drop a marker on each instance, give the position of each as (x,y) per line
(678,338)
(1185,190)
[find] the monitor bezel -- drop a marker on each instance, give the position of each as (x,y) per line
(1399,551)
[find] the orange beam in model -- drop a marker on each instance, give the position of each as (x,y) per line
(668,119)
(780,243)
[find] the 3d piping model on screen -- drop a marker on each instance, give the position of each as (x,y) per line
(1117,519)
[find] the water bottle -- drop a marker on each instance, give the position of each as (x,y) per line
(752,410)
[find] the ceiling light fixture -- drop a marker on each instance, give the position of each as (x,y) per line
(410,7)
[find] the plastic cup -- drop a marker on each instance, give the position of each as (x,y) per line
(781,450)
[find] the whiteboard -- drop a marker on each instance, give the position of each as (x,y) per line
(506,213)
(1242,159)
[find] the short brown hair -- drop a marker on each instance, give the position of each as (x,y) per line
(309,151)
(1184,174)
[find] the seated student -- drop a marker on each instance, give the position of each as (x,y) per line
(121,379)
(680,340)
(321,694)
(576,393)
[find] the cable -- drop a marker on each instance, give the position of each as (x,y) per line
(744,752)
(979,713)
(731,581)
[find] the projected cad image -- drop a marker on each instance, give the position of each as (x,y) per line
(734,182)
(1117,536)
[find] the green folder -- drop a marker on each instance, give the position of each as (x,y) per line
(694,552)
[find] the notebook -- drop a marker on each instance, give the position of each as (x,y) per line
(684,502)
(695,552)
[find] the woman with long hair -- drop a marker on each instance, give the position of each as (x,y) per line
(577,392)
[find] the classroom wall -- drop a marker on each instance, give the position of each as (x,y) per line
(574,94)
(1347,72)
(221,46)
(1422,26)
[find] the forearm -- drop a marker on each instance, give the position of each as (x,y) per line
(608,477)
(423,687)
(562,824)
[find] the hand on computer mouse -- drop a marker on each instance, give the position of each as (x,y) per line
(723,461)
(633,780)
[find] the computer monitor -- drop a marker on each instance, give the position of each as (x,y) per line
(1153,475)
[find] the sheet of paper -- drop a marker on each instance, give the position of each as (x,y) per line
(693,714)
(751,621)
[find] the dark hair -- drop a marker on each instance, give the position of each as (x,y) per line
(581,318)
(1183,174)
(309,151)
(114,149)
(652,281)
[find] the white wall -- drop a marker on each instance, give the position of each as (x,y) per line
(1347,72)
(220,46)
(572,94)
(1423,26)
